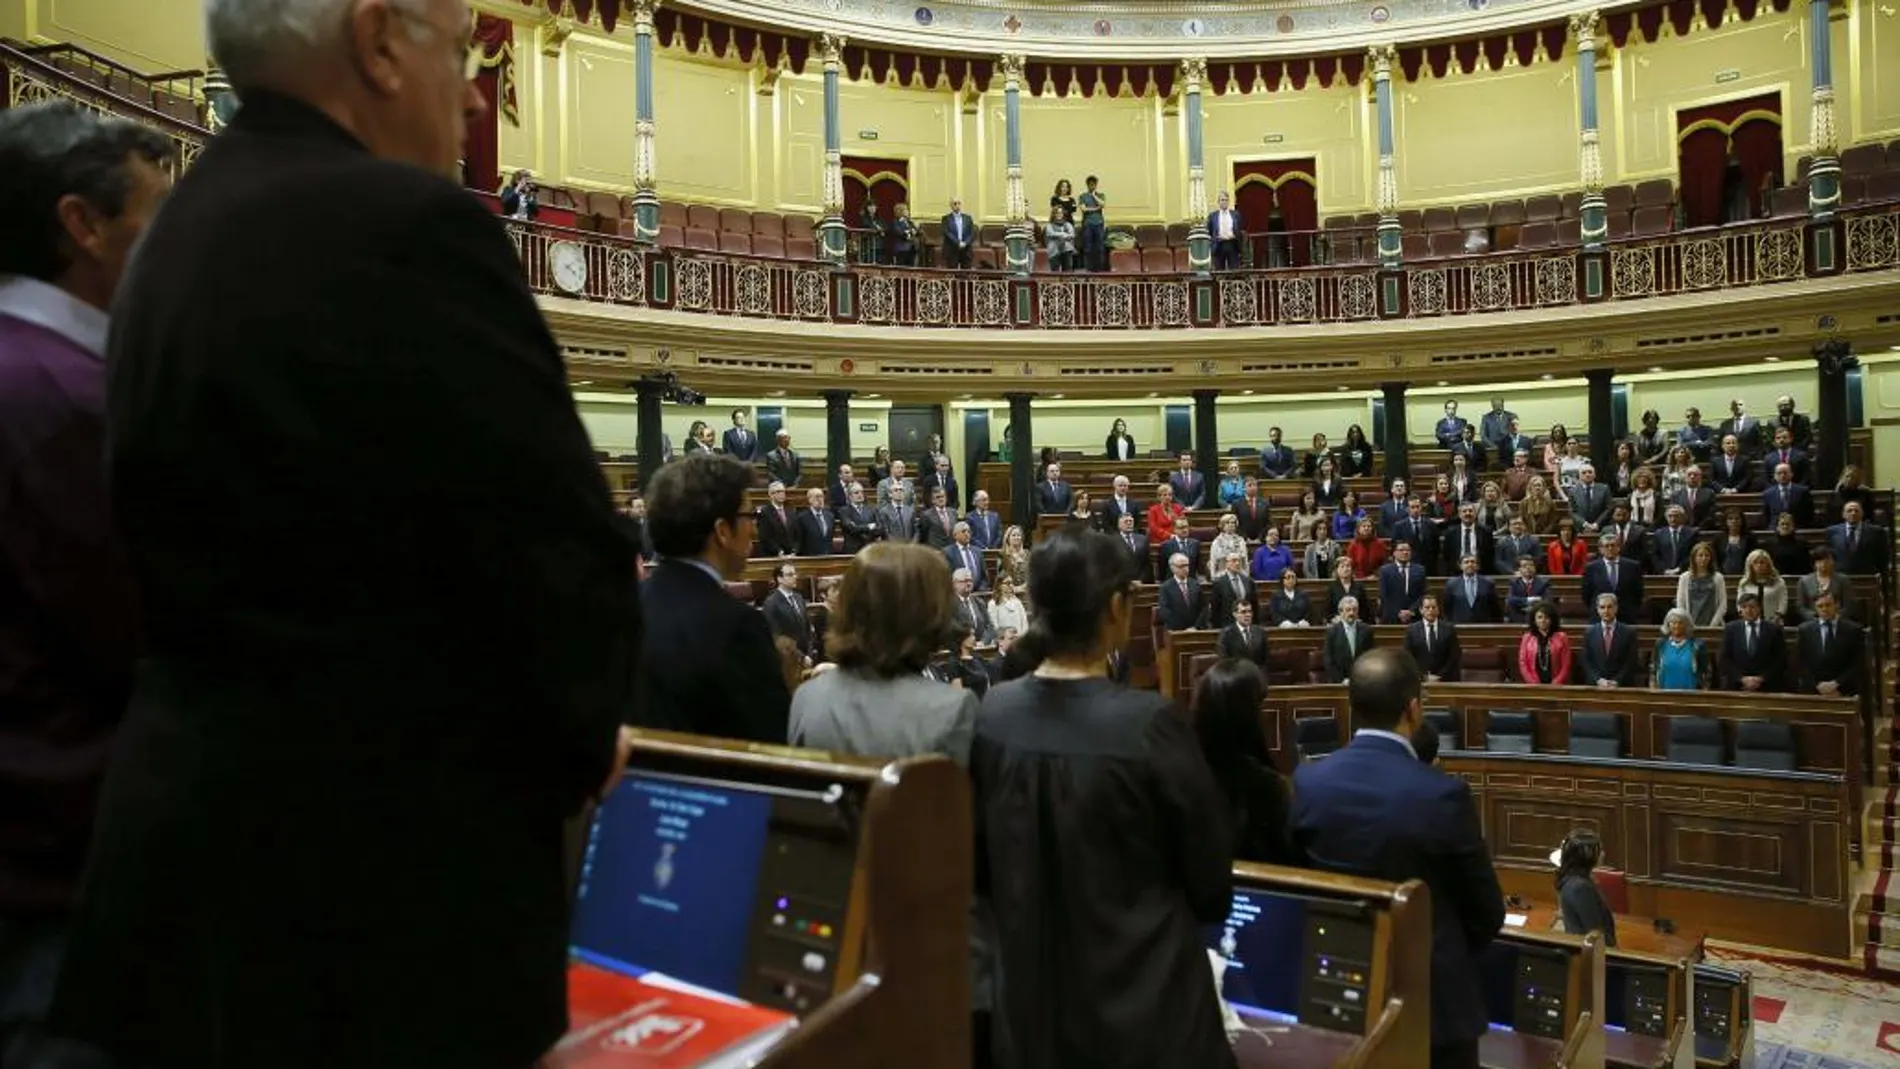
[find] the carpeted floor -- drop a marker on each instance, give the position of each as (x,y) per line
(1815,1017)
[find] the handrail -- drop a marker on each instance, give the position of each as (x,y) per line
(53,82)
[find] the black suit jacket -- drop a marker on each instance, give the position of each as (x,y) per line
(1250,645)
(936,531)
(1628,587)
(859,523)
(1793,499)
(1451,547)
(776,536)
(1518,596)
(1053,500)
(1178,612)
(749,452)
(1669,550)
(374,682)
(1839,663)
(1869,555)
(785,469)
(1769,659)
(812,540)
(1730,475)
(1225,600)
(1482,609)
(1334,652)
(1254,518)
(1443,656)
(789,620)
(1619,664)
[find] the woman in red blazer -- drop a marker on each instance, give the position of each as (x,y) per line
(1566,554)
(1366,550)
(1162,514)
(1543,653)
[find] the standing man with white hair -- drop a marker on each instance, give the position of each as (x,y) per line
(79,189)
(374,686)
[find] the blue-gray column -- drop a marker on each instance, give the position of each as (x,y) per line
(1018,235)
(1593,211)
(1824,173)
(1193,75)
(1381,58)
(646,193)
(831,229)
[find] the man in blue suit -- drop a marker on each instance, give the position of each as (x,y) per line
(1374,810)
(739,441)
(1224,231)
(1450,430)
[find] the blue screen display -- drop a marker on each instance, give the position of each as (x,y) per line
(1263,941)
(669,879)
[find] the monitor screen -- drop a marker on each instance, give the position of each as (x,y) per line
(1525,987)
(739,889)
(1636,997)
(1297,958)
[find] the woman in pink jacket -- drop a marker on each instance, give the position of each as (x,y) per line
(1543,654)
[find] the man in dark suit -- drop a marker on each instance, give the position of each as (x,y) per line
(1232,588)
(1119,504)
(447,626)
(935,524)
(1183,543)
(1745,428)
(1860,547)
(1514,442)
(1276,460)
(1252,513)
(1346,641)
(1392,509)
(785,611)
(1401,586)
(1527,590)
(1633,537)
(1470,598)
(777,536)
(1613,573)
(962,553)
(1609,657)
(1450,430)
(1829,648)
(1786,452)
(1188,484)
(969,611)
(1181,606)
(1800,430)
(959,236)
(986,527)
(1466,538)
(1589,501)
(1697,501)
(899,519)
(782,463)
(814,526)
(1669,545)
(861,525)
(739,442)
(1518,544)
(1418,531)
(1730,468)
(1137,545)
(1754,654)
(1225,231)
(1786,495)
(939,475)
(68,604)
(1053,496)
(1498,426)
(838,494)
(1433,643)
(1373,809)
(1240,637)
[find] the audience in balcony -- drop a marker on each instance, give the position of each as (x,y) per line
(1225,231)
(1754,652)
(1761,579)
(903,236)
(1062,199)
(1701,589)
(520,199)
(1058,236)
(1119,445)
(959,236)
(1355,457)
(870,234)
(1567,554)
(1289,606)
(1094,226)
(1229,540)
(1680,661)
(1276,460)
(1543,653)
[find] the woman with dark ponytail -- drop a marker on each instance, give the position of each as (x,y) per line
(1226,712)
(1102,838)
(1581,904)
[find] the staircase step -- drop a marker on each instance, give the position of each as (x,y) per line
(1877,913)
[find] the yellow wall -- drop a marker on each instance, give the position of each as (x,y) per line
(1330,126)
(1117,139)
(1872,36)
(1471,136)
(148,35)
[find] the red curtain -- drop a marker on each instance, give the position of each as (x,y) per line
(1749,131)
(496,83)
(1256,185)
(885,182)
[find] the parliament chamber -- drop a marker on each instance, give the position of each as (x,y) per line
(1337,245)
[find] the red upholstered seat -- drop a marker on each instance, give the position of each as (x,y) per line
(1545,207)
(1124,261)
(1538,235)
(1040,260)
(1473,216)
(1863,159)
(671,236)
(602,212)
(1619,198)
(740,244)
(702,217)
(1655,193)
(1615,888)
(770,224)
(1853,189)
(797,226)
(1788,201)
(1151,235)
(1619,222)
(1482,665)
(1447,243)
(673,214)
(735,220)
(1416,246)
(1884,187)
(1157,260)
(1181,260)
(801,249)
(1570,206)
(1409,219)
(1177,234)
(1441,218)
(767,245)
(1570,231)
(698,237)
(1648,222)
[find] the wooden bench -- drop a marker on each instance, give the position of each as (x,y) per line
(1647,1000)
(1544,994)
(1723,1017)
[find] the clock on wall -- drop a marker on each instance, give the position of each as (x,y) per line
(568,262)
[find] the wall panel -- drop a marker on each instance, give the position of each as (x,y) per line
(150,35)
(1521,123)
(1329,125)
(1872,54)
(703,117)
(1117,139)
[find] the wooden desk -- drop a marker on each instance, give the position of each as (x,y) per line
(1277,1044)
(1515,1050)
(1636,934)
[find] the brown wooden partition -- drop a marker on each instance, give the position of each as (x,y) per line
(1722,1014)
(1396,1033)
(902,989)
(1580,1039)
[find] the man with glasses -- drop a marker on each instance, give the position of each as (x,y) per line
(374,686)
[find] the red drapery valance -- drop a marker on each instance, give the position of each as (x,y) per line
(494,39)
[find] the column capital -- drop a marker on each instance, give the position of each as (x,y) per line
(1599,374)
(1835,355)
(1583,27)
(1382,57)
(1010,65)
(643,15)
(1193,73)
(1395,388)
(831,49)
(1207,393)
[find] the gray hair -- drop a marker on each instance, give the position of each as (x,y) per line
(48,151)
(1601,598)
(1348,600)
(1688,622)
(960,575)
(253,40)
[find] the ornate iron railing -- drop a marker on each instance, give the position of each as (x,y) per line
(1743,256)
(31,80)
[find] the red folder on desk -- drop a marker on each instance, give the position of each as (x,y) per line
(625,1022)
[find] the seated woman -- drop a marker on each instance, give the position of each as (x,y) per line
(1680,661)
(1226,714)
(1072,773)
(1271,558)
(1308,520)
(1226,543)
(1566,554)
(1367,550)
(1346,519)
(1543,653)
(1700,589)
(1580,903)
(1762,578)
(1233,485)
(1289,606)
(1345,585)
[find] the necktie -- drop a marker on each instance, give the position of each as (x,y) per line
(1751,639)
(1612,573)
(1431,636)
(1234,581)
(1352,639)
(1407,573)
(1608,634)
(1471,592)
(1853,539)
(1827,635)
(781,516)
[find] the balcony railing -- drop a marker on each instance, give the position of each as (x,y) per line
(32,78)
(1736,257)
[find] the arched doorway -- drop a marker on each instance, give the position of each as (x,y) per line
(884,183)
(1283,238)
(1728,157)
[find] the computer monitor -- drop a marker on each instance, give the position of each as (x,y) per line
(1720,1012)
(1525,987)
(741,889)
(1636,997)
(1298,958)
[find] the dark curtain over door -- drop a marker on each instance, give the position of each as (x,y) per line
(884,182)
(1257,183)
(1746,133)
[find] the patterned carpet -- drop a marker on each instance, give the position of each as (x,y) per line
(1810,1016)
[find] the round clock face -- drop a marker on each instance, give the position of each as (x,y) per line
(568,262)
(1193,27)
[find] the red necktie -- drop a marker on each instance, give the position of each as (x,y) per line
(1606,639)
